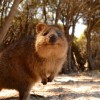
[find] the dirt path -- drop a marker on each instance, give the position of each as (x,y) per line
(85,86)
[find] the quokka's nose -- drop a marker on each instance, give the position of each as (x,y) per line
(53,39)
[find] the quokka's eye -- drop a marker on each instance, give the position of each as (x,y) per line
(59,33)
(44,34)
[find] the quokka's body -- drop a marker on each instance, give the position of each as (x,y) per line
(30,59)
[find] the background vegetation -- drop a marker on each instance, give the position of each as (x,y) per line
(18,18)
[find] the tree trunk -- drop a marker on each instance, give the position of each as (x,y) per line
(0,2)
(8,20)
(89,52)
(70,57)
(71,67)
(44,11)
(79,59)
(57,12)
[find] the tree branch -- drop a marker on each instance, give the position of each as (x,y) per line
(8,20)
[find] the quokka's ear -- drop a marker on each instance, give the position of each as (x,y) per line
(40,27)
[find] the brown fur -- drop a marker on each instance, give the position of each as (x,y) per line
(31,59)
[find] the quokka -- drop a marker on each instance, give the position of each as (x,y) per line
(33,58)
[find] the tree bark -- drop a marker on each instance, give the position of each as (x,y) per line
(0,2)
(71,67)
(8,20)
(57,12)
(89,52)
(80,60)
(44,11)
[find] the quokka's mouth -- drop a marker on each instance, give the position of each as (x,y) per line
(53,44)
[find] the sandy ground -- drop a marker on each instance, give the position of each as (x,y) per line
(77,86)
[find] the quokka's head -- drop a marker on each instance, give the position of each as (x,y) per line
(50,41)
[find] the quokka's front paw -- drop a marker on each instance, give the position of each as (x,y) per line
(44,81)
(50,79)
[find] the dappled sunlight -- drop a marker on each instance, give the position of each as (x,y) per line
(87,98)
(8,93)
(64,87)
(71,86)
(39,39)
(81,89)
